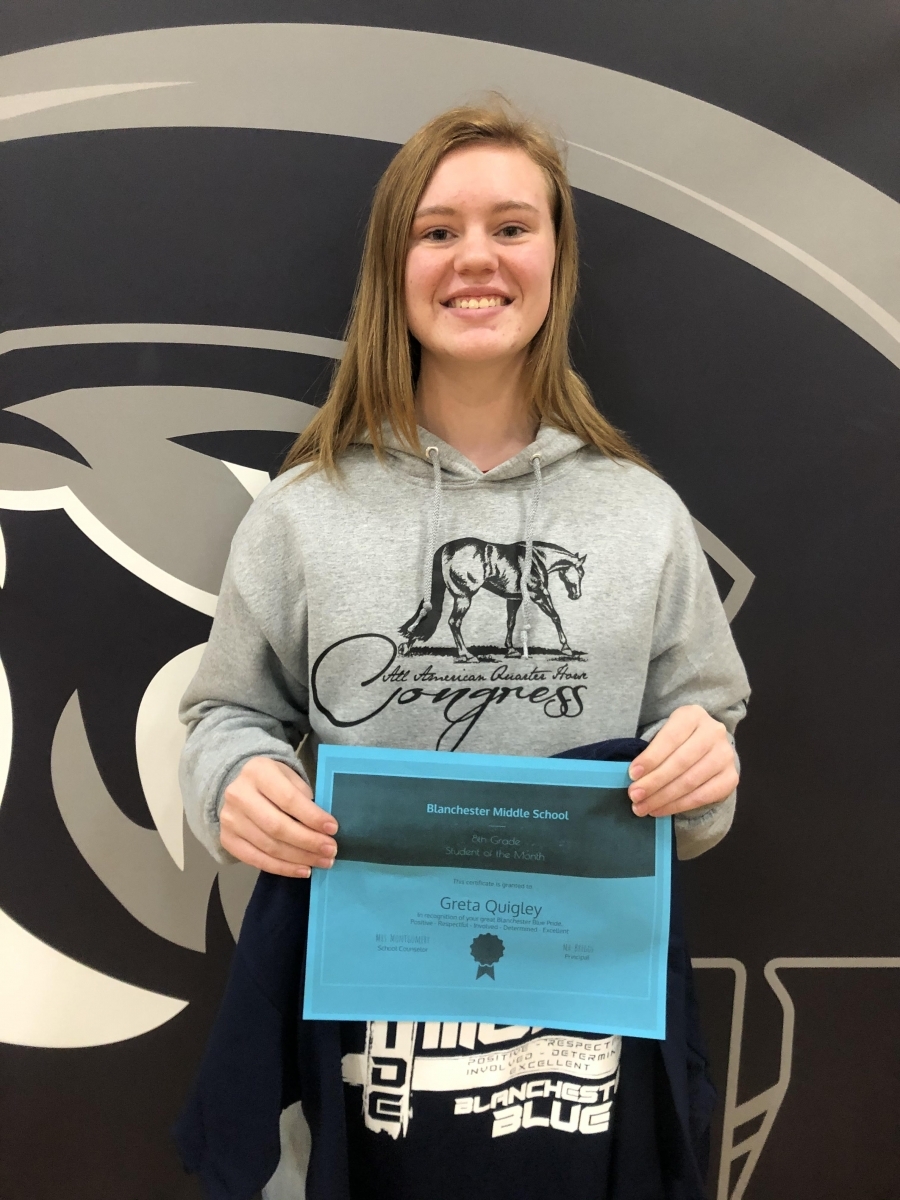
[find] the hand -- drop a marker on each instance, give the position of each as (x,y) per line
(689,763)
(270,821)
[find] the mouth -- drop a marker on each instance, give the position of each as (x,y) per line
(477,302)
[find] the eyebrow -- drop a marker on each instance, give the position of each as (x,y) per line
(444,210)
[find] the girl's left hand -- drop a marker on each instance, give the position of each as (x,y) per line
(689,763)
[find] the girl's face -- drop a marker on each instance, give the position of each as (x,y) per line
(481,253)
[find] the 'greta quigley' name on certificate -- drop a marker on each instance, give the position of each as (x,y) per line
(493,907)
(472,887)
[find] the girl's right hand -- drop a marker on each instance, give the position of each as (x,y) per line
(269,820)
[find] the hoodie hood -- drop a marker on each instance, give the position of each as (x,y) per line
(551,444)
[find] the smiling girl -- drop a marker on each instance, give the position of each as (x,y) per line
(462,552)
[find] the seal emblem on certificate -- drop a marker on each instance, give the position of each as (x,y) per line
(486,949)
(535,870)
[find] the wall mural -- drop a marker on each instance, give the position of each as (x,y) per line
(181,239)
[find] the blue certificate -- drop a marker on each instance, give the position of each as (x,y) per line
(479,887)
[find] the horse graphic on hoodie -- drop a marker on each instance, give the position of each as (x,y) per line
(464,566)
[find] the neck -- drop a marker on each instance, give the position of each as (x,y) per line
(480,409)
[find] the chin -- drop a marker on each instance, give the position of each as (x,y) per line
(481,350)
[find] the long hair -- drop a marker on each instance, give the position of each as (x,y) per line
(374,383)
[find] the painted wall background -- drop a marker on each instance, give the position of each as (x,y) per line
(183,195)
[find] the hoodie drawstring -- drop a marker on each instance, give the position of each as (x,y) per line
(433,455)
(530,524)
(434,524)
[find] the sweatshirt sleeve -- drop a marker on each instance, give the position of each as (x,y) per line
(693,661)
(245,700)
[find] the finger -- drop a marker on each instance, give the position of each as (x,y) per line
(240,826)
(696,775)
(677,729)
(292,795)
(709,738)
(273,831)
(714,791)
(249,854)
(681,759)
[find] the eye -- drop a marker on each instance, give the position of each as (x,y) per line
(511,231)
(436,235)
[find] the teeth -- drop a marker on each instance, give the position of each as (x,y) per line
(478,302)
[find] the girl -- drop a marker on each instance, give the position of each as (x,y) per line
(462,553)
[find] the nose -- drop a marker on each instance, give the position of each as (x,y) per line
(476,254)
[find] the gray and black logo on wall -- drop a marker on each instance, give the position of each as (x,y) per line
(182,219)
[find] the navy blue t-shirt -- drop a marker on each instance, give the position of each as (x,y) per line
(452,1109)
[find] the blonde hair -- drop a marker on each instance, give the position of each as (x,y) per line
(374,383)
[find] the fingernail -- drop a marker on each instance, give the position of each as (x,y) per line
(330,826)
(639,810)
(329,851)
(636,794)
(635,771)
(303,872)
(326,864)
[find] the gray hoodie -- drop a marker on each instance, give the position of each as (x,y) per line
(385,608)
